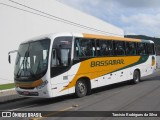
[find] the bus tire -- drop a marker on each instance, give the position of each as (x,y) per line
(136,77)
(81,88)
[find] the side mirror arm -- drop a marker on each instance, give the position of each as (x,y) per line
(9,56)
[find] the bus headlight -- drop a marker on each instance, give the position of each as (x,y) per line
(42,85)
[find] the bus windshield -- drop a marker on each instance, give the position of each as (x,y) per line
(32,59)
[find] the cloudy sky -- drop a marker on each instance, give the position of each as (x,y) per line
(133,16)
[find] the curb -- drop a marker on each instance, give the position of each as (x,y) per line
(8,95)
(7,90)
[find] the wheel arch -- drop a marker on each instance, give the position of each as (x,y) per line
(136,77)
(88,83)
(137,69)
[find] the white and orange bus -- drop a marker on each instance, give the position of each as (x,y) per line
(66,63)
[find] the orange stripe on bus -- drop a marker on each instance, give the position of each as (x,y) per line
(29,84)
(85,70)
(110,38)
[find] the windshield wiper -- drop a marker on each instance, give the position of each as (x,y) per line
(38,67)
(32,73)
(24,65)
(19,70)
(30,70)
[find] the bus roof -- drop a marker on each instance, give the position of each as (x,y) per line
(115,38)
(85,35)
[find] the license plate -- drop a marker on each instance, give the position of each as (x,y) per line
(25,93)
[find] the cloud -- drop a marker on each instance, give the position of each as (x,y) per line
(134,16)
(125,3)
(142,24)
(142,19)
(138,3)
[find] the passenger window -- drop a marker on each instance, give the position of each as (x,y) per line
(54,59)
(130,48)
(104,47)
(153,49)
(61,52)
(150,48)
(84,47)
(65,53)
(119,48)
(141,50)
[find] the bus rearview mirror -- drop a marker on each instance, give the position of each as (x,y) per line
(9,56)
(9,59)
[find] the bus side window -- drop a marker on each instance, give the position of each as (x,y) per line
(130,48)
(104,47)
(61,51)
(150,48)
(84,47)
(119,48)
(153,49)
(54,60)
(141,50)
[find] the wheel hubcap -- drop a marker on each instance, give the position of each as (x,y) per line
(136,77)
(81,87)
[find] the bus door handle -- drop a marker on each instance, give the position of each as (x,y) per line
(96,80)
(54,88)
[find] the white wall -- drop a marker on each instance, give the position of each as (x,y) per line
(17,25)
(158,61)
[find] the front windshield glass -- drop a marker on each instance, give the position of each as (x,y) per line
(32,59)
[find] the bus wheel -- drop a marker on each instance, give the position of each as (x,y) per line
(136,77)
(81,88)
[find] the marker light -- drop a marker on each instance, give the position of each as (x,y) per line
(42,85)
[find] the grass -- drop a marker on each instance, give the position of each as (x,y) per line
(7,86)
